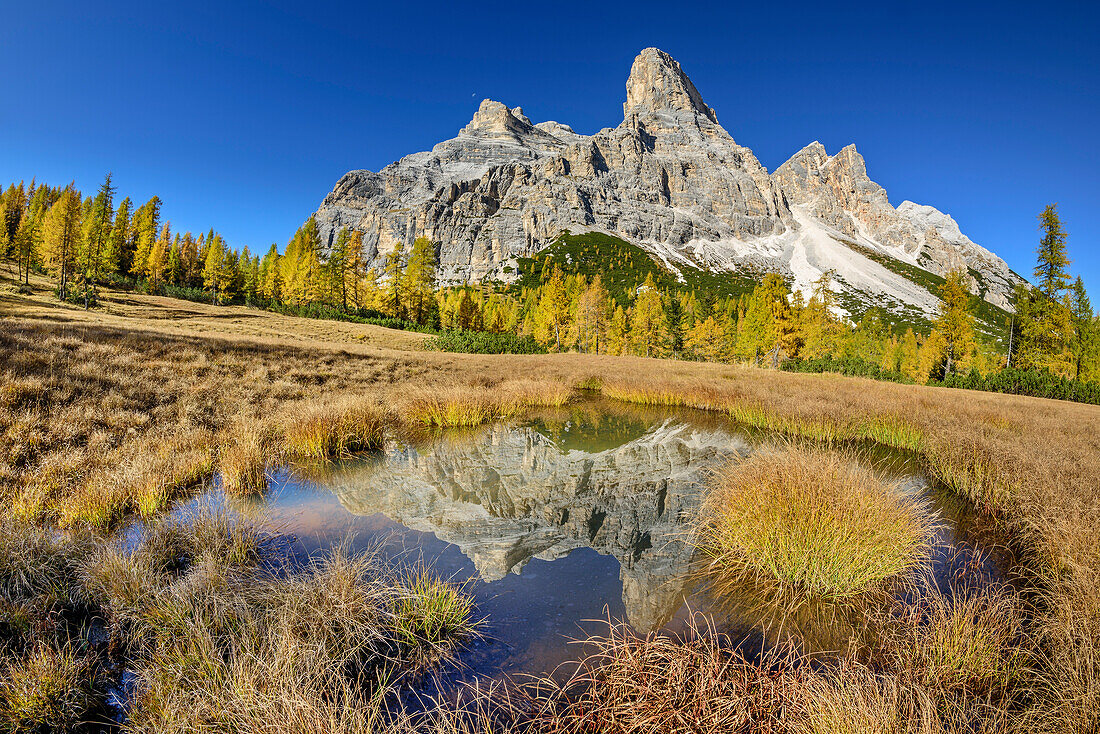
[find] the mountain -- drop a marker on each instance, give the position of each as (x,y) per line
(671,180)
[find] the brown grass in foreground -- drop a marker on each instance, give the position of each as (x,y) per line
(103,415)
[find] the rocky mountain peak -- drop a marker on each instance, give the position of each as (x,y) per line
(657,83)
(669,179)
(494,119)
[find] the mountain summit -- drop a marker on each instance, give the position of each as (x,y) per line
(670,179)
(657,83)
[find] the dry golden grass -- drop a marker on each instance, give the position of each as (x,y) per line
(464,406)
(105,413)
(814,522)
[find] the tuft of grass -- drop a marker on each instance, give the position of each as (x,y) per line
(814,522)
(855,700)
(327,430)
(456,407)
(48,689)
(465,406)
(966,640)
(242,461)
(432,614)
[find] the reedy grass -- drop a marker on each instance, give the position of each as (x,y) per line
(432,614)
(331,429)
(965,641)
(243,459)
(814,522)
(465,406)
(217,638)
(49,688)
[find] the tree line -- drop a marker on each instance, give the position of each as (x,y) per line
(88,242)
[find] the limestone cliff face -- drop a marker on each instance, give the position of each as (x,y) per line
(513,494)
(669,178)
(837,191)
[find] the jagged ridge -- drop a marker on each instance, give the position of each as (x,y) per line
(668,178)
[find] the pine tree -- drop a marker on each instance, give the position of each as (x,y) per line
(1084,328)
(1051,268)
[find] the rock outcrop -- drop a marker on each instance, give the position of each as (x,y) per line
(669,178)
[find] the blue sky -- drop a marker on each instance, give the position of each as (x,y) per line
(242,115)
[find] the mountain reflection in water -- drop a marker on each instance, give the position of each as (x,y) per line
(572,515)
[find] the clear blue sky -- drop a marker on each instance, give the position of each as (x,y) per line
(242,116)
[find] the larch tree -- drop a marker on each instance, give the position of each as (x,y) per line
(1084,345)
(954,321)
(647,320)
(420,275)
(61,238)
(145,227)
(212,267)
(120,253)
(395,279)
(95,242)
(592,317)
(1052,261)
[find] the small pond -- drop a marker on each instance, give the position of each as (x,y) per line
(557,521)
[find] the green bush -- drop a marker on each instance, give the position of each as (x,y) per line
(484,342)
(1036,383)
(852,366)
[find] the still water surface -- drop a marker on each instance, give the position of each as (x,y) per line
(555,522)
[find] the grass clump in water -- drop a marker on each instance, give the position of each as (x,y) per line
(432,614)
(243,460)
(812,521)
(965,640)
(322,431)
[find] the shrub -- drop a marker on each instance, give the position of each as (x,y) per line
(1036,383)
(484,342)
(852,366)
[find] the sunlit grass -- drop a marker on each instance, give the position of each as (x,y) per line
(49,688)
(465,406)
(813,521)
(326,430)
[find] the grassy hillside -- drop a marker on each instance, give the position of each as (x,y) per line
(623,266)
(994,320)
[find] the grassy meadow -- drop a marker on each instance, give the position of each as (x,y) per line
(108,416)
